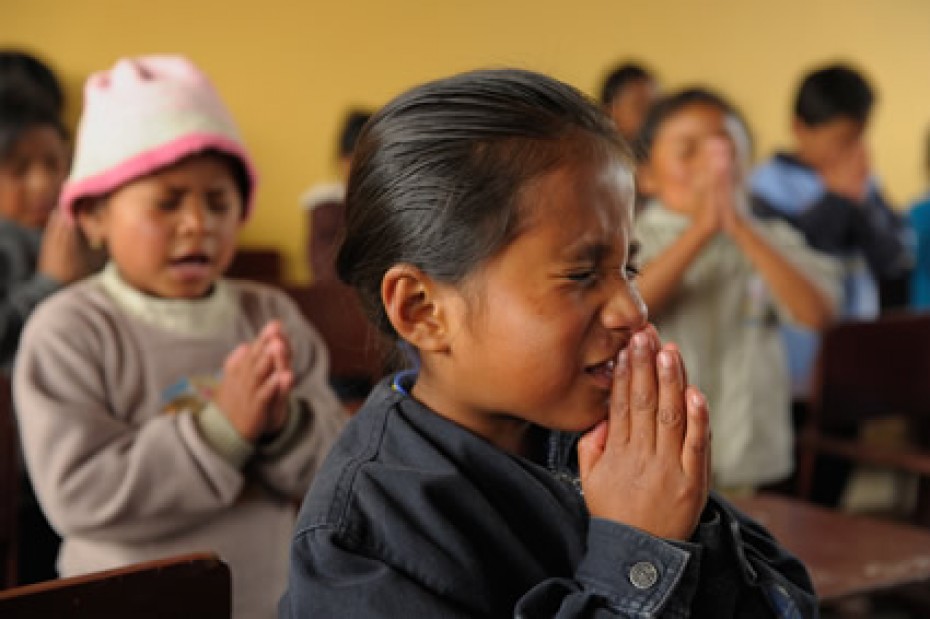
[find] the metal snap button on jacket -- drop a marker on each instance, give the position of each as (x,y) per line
(643,575)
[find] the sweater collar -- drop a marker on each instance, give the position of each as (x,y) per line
(205,316)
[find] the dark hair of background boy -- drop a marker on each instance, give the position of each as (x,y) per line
(27,76)
(620,77)
(832,92)
(351,128)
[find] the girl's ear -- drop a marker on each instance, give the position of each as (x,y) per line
(418,307)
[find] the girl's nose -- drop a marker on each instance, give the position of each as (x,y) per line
(195,217)
(624,308)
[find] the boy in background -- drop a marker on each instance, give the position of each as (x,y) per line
(324,204)
(826,188)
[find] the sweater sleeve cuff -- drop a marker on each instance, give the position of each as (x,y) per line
(285,438)
(222,436)
(638,573)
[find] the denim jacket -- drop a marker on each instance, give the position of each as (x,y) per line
(412,515)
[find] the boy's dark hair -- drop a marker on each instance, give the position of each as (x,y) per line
(20,113)
(668,106)
(23,74)
(833,92)
(620,77)
(438,173)
(351,128)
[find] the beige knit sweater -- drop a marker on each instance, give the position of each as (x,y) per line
(129,458)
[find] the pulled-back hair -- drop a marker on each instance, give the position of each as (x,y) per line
(437,173)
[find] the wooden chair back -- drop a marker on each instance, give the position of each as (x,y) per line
(869,370)
(356,348)
(10,480)
(194,585)
(259,264)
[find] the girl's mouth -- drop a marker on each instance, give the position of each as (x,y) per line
(191,259)
(192,267)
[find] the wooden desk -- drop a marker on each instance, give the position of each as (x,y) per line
(191,585)
(845,554)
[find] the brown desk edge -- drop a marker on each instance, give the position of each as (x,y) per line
(845,554)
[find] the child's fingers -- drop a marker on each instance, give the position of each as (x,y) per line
(695,453)
(285,381)
(671,411)
(619,413)
(643,392)
(273,329)
(591,447)
(274,337)
(236,357)
(681,362)
(264,362)
(267,390)
(281,348)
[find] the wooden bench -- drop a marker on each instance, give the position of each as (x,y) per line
(194,585)
(356,349)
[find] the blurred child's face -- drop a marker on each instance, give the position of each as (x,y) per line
(172,233)
(684,154)
(31,176)
(629,108)
(540,325)
(822,145)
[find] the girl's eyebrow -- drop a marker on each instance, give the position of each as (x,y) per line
(595,251)
(586,251)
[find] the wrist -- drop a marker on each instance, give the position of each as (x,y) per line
(704,230)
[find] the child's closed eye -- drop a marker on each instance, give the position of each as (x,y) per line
(169,204)
(631,271)
(220,206)
(583,276)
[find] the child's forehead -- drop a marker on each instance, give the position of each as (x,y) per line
(579,194)
(34,140)
(696,112)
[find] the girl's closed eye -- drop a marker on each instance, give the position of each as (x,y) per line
(169,201)
(631,270)
(219,202)
(587,276)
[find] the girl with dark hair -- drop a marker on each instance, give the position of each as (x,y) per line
(719,282)
(544,455)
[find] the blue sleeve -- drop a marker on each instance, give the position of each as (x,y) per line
(837,225)
(626,573)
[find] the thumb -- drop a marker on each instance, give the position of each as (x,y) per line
(591,447)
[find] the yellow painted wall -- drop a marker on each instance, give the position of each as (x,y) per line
(289,68)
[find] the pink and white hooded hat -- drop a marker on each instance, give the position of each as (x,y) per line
(142,115)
